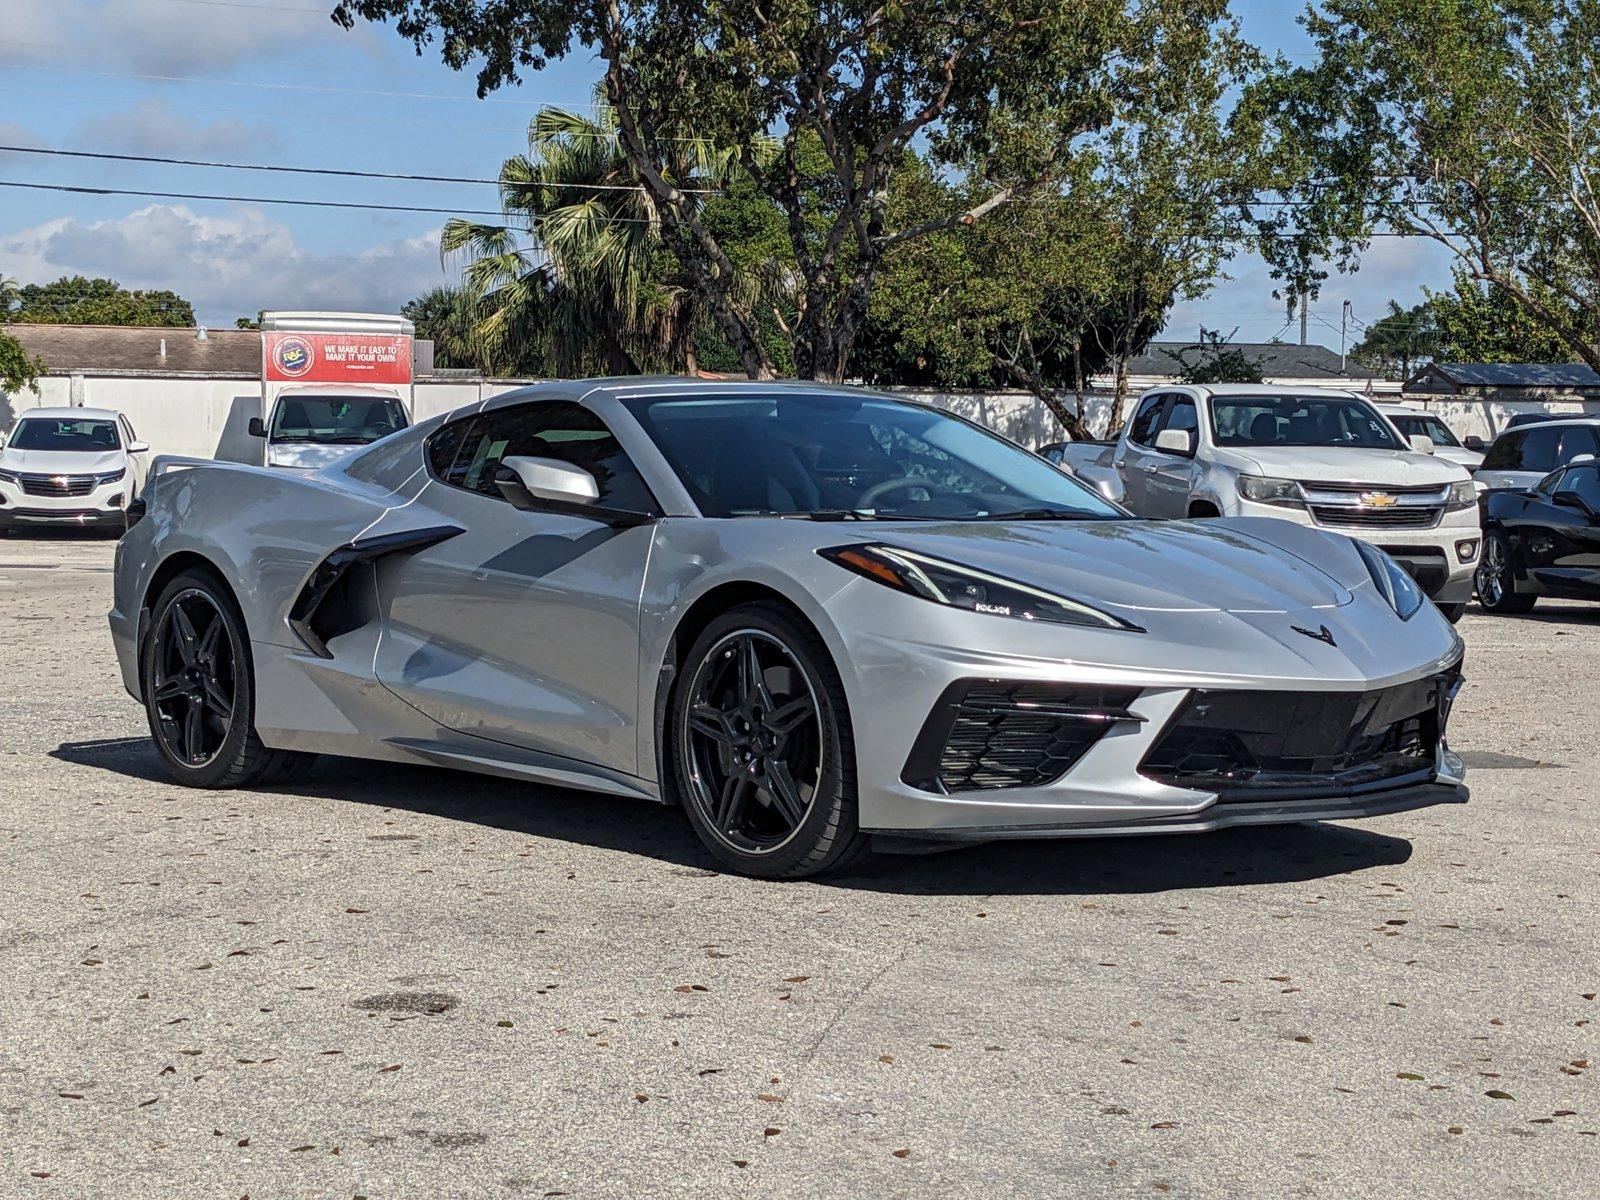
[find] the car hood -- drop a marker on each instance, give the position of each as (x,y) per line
(1470,459)
(306,456)
(1133,567)
(62,462)
(1345,464)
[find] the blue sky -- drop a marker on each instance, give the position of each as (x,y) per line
(259,82)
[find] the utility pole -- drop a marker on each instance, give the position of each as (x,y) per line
(1305,315)
(1344,318)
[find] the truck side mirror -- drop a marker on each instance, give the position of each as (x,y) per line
(1474,443)
(1176,441)
(256,428)
(1422,443)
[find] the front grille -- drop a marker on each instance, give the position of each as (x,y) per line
(1266,745)
(989,734)
(1376,518)
(57,485)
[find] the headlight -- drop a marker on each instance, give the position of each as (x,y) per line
(10,477)
(1463,494)
(109,477)
(1264,489)
(964,587)
(1392,582)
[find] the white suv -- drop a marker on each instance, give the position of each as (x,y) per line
(1323,458)
(73,467)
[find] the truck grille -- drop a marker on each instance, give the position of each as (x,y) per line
(1380,518)
(57,485)
(1375,505)
(1264,745)
(989,734)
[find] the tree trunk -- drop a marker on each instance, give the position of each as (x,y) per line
(1119,394)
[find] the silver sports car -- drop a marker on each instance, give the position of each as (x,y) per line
(819,619)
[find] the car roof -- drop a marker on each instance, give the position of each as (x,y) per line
(1575,419)
(1258,389)
(69,414)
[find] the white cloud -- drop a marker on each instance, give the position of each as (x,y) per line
(159,129)
(169,37)
(227,266)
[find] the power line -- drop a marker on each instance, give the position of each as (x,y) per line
(272,8)
(341,172)
(412,208)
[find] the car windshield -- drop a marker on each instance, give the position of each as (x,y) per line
(836,455)
(1427,425)
(336,420)
(1298,421)
(58,433)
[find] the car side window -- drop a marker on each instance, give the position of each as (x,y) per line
(1505,454)
(1182,416)
(560,430)
(1573,441)
(1539,449)
(1584,482)
(444,450)
(1143,428)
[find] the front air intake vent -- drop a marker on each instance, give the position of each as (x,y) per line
(987,734)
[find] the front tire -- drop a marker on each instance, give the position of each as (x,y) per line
(762,747)
(199,690)
(1495,580)
(1453,612)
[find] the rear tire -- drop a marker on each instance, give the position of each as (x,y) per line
(198,683)
(762,747)
(1495,579)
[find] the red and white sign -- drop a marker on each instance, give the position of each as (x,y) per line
(335,357)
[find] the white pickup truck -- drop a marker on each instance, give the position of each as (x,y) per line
(1322,458)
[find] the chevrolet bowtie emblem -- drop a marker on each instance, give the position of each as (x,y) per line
(1377,499)
(1322,633)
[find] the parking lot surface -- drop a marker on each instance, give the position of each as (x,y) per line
(393,982)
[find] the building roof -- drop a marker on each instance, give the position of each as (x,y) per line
(1517,374)
(1277,360)
(120,348)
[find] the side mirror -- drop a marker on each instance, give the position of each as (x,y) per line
(256,428)
(138,447)
(1422,443)
(1176,441)
(537,482)
(1475,443)
(1570,500)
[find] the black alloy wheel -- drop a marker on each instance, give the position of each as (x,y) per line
(761,751)
(195,676)
(1494,579)
(199,692)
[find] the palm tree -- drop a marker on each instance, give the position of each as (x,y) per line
(579,276)
(10,295)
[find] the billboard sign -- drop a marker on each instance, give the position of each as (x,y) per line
(288,357)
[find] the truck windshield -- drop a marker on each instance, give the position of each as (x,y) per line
(336,420)
(1428,425)
(1298,421)
(51,433)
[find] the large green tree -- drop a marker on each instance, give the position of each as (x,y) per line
(1401,340)
(1482,322)
(18,368)
(1473,123)
(1006,92)
(76,300)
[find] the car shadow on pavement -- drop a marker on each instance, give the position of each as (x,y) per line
(1069,866)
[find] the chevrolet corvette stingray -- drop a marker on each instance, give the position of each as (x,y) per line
(817,618)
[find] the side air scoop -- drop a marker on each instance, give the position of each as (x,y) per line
(313,618)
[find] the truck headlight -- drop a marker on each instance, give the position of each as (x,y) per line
(1463,494)
(1391,580)
(10,477)
(956,586)
(1265,489)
